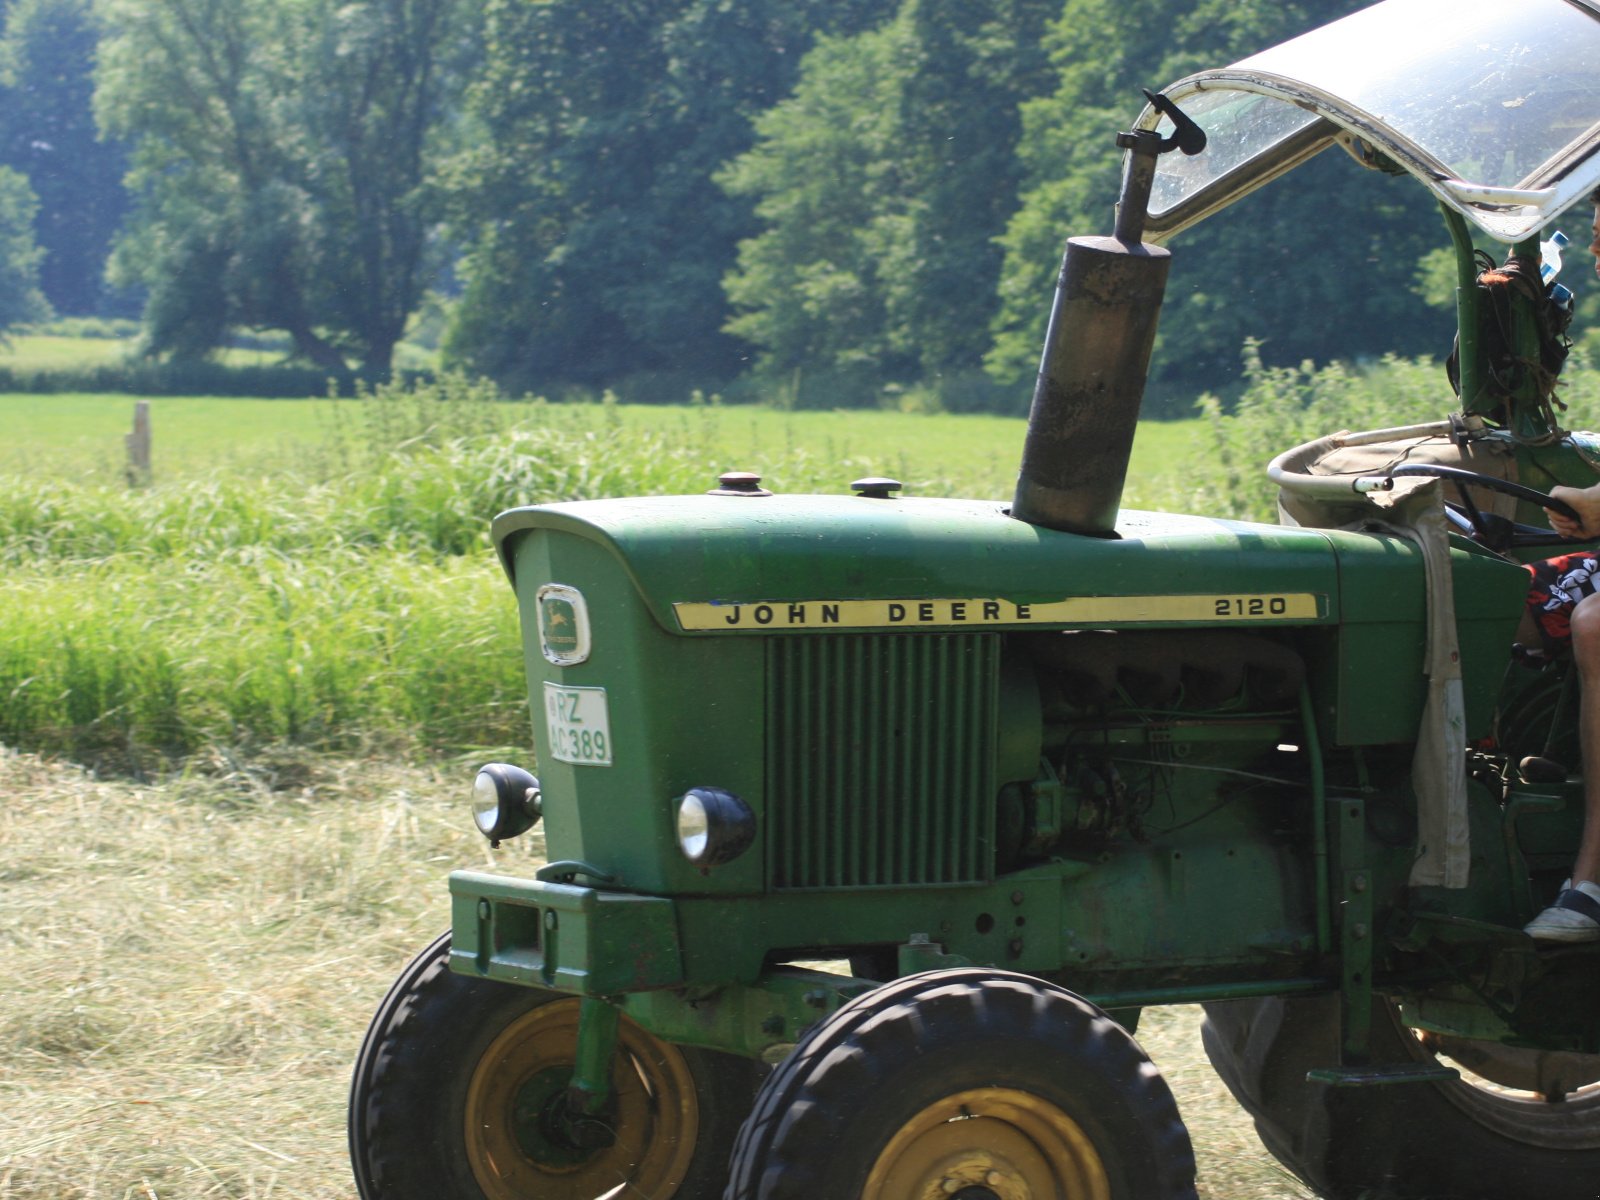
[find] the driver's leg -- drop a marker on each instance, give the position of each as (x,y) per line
(1575,916)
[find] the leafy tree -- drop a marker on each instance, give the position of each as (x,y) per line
(813,290)
(285,164)
(20,298)
(882,183)
(1318,266)
(960,120)
(47,132)
(601,240)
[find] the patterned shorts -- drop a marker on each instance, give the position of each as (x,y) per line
(1558,584)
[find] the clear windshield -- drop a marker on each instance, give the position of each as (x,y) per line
(1240,126)
(1492,89)
(1468,95)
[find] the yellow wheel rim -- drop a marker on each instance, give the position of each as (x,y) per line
(985,1142)
(514,1154)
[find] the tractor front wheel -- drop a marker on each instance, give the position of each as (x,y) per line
(459,1094)
(982,1085)
(1469,1139)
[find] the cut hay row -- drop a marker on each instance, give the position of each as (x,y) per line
(193,963)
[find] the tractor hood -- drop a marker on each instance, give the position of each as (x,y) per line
(1494,105)
(708,565)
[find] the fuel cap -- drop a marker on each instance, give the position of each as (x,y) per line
(876,487)
(738,483)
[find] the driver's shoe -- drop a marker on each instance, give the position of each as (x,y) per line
(1574,917)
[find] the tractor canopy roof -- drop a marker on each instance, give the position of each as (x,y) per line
(1493,104)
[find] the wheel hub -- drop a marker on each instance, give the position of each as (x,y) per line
(989,1144)
(521,1139)
(548,1131)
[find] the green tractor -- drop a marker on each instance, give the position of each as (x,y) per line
(874,822)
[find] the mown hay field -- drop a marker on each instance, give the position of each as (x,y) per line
(281,659)
(195,960)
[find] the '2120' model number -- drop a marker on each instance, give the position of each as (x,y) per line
(1250,606)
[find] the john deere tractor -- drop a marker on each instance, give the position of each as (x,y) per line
(874,822)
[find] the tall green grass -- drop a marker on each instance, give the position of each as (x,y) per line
(348,600)
(1283,407)
(124,660)
(343,593)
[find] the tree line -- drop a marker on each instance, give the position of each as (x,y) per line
(829,197)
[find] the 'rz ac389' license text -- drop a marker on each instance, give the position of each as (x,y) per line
(578,724)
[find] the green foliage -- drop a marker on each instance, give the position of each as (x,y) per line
(127,659)
(93,328)
(882,182)
(20,298)
(187,377)
(47,132)
(599,238)
(813,289)
(286,165)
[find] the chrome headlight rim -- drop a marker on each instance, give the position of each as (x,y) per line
(713,826)
(505,801)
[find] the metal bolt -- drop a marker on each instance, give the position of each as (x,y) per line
(1014,947)
(1016,897)
(772,1025)
(1358,883)
(483,910)
(1359,931)
(950,1186)
(994,1179)
(550,919)
(876,487)
(917,939)
(738,483)
(815,998)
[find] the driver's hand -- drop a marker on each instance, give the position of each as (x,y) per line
(1586,502)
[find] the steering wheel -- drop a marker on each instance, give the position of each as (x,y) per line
(1497,533)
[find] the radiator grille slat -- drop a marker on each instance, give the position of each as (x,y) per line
(880,759)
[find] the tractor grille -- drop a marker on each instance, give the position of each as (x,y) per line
(880,759)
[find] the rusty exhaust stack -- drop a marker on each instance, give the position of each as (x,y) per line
(1097,354)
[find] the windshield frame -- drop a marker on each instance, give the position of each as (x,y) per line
(1507,214)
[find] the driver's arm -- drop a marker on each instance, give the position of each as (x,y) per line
(1586,501)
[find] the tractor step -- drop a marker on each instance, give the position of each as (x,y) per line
(1373,1074)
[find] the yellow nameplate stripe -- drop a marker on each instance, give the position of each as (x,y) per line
(918,614)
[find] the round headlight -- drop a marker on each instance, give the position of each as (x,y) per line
(714,826)
(505,801)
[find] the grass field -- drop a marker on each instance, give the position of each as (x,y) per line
(319,571)
(259,649)
(81,435)
(197,960)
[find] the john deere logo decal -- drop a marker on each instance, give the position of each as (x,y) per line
(563,624)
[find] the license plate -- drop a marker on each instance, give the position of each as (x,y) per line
(578,725)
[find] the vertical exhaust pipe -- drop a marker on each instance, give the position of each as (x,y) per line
(1097,355)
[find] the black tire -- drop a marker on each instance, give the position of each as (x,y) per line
(442,1044)
(1464,1140)
(926,1085)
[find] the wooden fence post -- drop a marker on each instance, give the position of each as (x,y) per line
(138,444)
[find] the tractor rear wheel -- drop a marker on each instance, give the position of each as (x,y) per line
(982,1085)
(1469,1139)
(459,1094)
